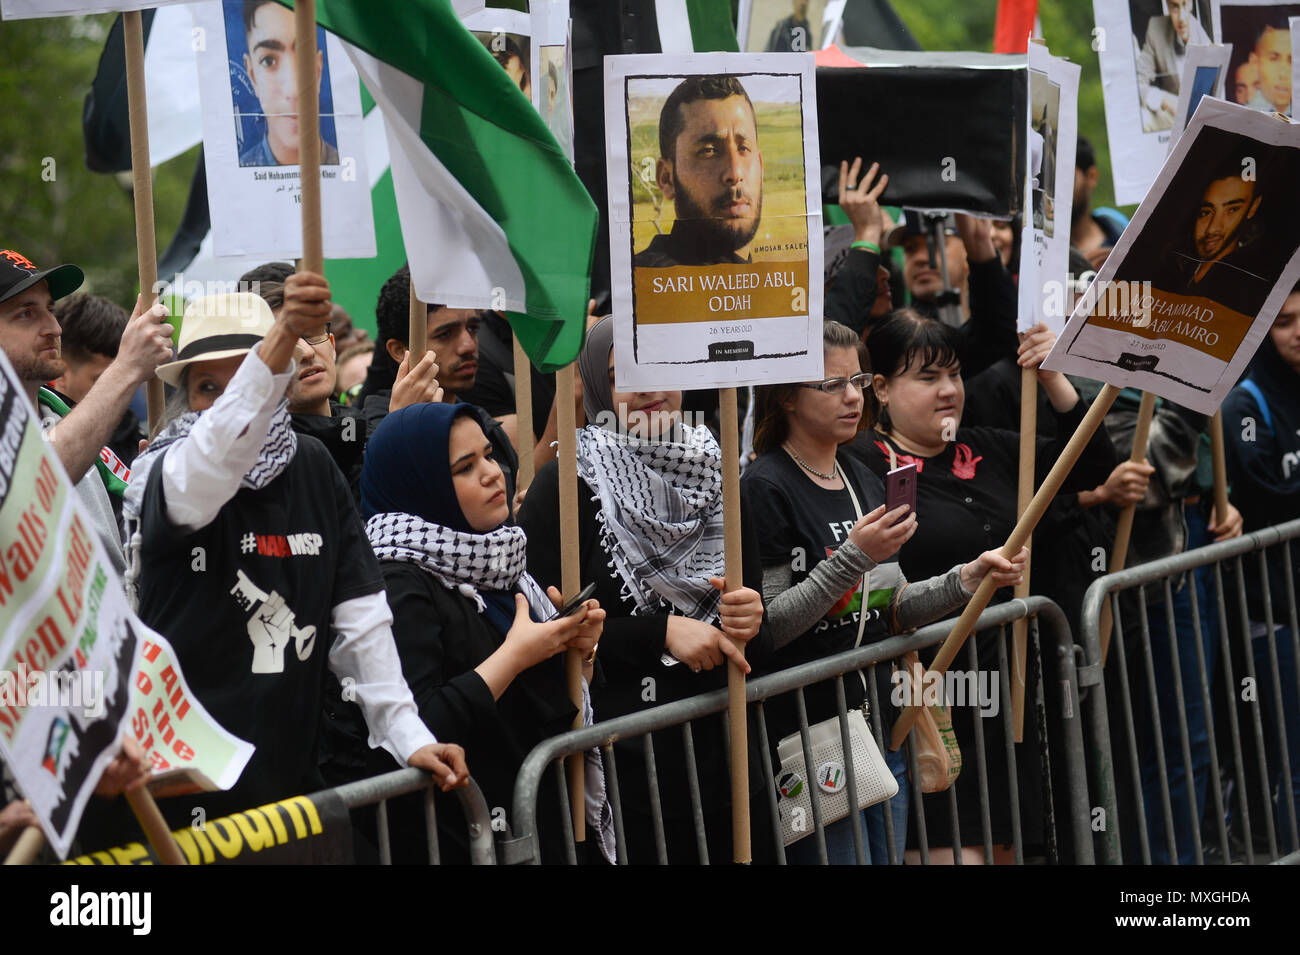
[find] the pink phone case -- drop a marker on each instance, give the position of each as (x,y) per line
(900,488)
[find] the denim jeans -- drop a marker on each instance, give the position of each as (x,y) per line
(839,835)
(1186,818)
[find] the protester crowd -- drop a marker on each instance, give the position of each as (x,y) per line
(375,592)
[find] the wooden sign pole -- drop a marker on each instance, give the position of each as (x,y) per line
(1025,493)
(525,437)
(146,244)
(1220,467)
(1023,529)
(1124,527)
(735,580)
(304,15)
(27,847)
(571,577)
(154,826)
(417,339)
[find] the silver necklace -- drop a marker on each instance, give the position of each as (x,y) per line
(806,466)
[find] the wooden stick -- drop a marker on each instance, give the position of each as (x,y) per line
(27,847)
(525,438)
(735,580)
(417,339)
(304,15)
(571,578)
(146,243)
(154,826)
(1220,467)
(1025,493)
(1023,529)
(1124,527)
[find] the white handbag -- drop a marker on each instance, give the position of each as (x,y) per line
(873,779)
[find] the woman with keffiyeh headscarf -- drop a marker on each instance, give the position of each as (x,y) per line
(650,538)
(248,554)
(483,668)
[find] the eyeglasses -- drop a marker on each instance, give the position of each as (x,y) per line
(319,339)
(836,386)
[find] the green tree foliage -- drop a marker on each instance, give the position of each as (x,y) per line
(53,209)
(1067,28)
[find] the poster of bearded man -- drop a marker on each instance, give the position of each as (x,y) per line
(715,216)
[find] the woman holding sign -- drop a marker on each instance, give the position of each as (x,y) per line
(825,533)
(650,539)
(965,498)
(474,631)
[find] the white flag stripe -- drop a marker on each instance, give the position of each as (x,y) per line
(459,255)
(172,84)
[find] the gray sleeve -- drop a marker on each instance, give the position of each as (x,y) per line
(792,611)
(929,600)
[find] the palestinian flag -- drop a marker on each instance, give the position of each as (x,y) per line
(491,211)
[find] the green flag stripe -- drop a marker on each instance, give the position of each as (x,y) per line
(711,27)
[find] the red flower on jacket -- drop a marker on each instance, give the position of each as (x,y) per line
(903,459)
(964,461)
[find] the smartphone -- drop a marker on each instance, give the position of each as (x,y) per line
(574,605)
(900,488)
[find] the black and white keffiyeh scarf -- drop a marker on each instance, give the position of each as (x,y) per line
(660,514)
(467,563)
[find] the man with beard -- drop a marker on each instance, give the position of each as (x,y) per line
(1219,264)
(1160,63)
(711,168)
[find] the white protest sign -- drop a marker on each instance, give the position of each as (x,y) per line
(1194,283)
(1140,77)
(77,668)
(1259,32)
(1204,70)
(715,219)
(553,67)
(250,137)
(1049,189)
(31,9)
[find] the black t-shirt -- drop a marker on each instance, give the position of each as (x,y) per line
(804,524)
(246,603)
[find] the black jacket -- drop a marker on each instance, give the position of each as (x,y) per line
(344,435)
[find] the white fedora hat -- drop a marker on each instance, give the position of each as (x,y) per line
(218,326)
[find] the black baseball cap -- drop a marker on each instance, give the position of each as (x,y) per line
(18,273)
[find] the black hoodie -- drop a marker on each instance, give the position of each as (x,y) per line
(1263,452)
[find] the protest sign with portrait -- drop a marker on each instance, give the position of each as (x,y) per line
(1195,281)
(715,216)
(1052,132)
(553,67)
(1259,71)
(1141,47)
(249,94)
(789,26)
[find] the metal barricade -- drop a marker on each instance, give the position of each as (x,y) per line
(377,790)
(1164,791)
(1066,767)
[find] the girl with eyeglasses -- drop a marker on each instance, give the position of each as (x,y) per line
(966,488)
(825,534)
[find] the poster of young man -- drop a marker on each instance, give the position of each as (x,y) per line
(1204,72)
(1049,185)
(785,26)
(715,217)
(1195,282)
(248,88)
(508,36)
(1260,34)
(1142,55)
(553,67)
